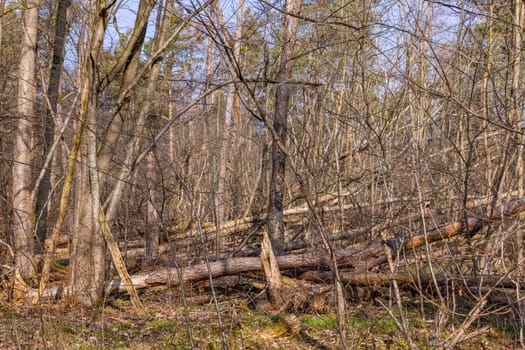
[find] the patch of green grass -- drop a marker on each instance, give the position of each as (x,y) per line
(359,321)
(149,314)
(323,321)
(507,330)
(258,320)
(8,314)
(213,346)
(123,326)
(66,327)
(160,325)
(120,303)
(385,326)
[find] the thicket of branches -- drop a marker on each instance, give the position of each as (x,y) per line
(347,135)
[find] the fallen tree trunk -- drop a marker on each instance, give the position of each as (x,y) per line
(473,224)
(359,259)
(501,289)
(232,266)
(291,215)
(136,250)
(372,279)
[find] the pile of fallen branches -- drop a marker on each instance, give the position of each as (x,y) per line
(361,265)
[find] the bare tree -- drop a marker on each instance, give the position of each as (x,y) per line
(273,242)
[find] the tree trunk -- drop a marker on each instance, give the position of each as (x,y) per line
(88,256)
(153,218)
(23,154)
(233,55)
(517,118)
(280,125)
(44,190)
(271,271)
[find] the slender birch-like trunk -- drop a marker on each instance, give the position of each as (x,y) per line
(44,190)
(280,125)
(277,181)
(23,218)
(233,54)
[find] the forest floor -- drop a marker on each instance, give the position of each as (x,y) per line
(173,322)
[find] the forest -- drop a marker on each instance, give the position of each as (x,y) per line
(265,174)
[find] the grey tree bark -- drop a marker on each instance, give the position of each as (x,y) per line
(23,154)
(88,256)
(44,190)
(273,242)
(152,211)
(280,125)
(127,64)
(233,55)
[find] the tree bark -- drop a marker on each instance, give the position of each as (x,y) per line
(232,54)
(230,267)
(517,118)
(152,209)
(44,190)
(271,271)
(280,125)
(23,219)
(88,256)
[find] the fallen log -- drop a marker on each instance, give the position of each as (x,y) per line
(359,259)
(301,243)
(232,266)
(137,250)
(289,216)
(372,279)
(501,289)
(472,225)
